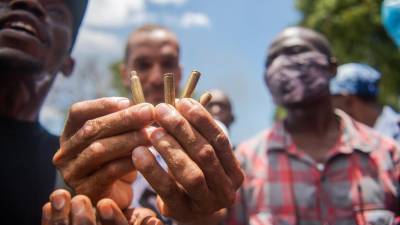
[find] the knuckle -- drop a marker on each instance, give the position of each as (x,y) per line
(195,181)
(197,114)
(126,116)
(168,191)
(94,150)
(111,171)
(206,154)
(221,140)
(177,122)
(230,198)
(89,129)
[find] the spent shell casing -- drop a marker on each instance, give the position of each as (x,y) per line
(169,89)
(191,84)
(136,89)
(205,98)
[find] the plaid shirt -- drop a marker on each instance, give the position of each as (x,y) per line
(357,184)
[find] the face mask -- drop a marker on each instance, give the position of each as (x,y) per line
(391,19)
(298,78)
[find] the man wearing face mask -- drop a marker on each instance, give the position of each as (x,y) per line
(36,38)
(317,166)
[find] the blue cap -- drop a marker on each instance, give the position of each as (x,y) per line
(355,79)
(78,8)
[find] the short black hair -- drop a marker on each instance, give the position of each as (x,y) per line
(147,28)
(320,43)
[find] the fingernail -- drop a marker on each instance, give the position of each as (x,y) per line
(58,201)
(165,110)
(77,207)
(107,212)
(123,103)
(188,101)
(138,154)
(158,134)
(146,112)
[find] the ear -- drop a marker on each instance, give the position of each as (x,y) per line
(123,72)
(333,66)
(68,66)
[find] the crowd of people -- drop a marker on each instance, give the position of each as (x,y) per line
(334,159)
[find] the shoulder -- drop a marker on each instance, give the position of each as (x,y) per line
(384,149)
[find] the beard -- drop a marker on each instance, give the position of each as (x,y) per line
(17,63)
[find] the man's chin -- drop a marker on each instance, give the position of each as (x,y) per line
(304,102)
(15,62)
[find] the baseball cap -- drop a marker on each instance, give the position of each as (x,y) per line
(355,79)
(78,8)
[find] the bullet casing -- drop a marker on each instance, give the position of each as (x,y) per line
(169,89)
(136,89)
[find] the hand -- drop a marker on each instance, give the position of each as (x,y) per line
(79,211)
(96,145)
(203,173)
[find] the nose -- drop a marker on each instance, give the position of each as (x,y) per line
(156,76)
(33,6)
(215,109)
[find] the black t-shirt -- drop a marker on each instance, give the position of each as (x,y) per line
(27,175)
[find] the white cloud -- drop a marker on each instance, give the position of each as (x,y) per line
(112,13)
(95,42)
(167,2)
(192,19)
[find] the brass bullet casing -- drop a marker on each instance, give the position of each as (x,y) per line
(205,98)
(191,84)
(169,89)
(136,89)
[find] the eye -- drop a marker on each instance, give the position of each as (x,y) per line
(142,65)
(56,13)
(169,64)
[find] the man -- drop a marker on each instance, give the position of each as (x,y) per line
(151,51)
(36,38)
(105,140)
(220,108)
(355,90)
(317,166)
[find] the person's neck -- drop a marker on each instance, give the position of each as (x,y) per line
(314,128)
(315,119)
(21,97)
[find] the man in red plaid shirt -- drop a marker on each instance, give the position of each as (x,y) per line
(318,166)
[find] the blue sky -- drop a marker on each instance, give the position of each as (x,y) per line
(225,40)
